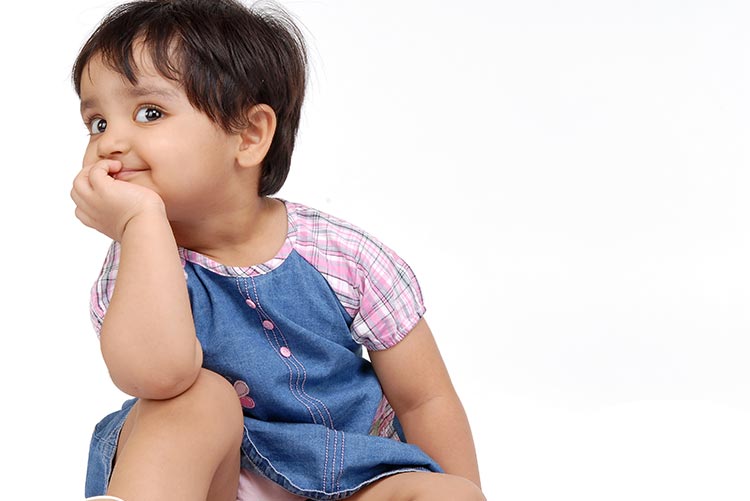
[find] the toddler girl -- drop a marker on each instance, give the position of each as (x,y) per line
(238,320)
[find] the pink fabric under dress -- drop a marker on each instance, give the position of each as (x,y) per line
(255,487)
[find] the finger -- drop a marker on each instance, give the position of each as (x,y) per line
(100,173)
(84,217)
(84,173)
(83,208)
(82,184)
(79,199)
(83,189)
(108,166)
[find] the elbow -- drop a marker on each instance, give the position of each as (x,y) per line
(155,385)
(154,377)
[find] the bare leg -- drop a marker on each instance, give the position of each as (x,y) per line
(421,486)
(185,448)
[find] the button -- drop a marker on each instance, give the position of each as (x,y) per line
(250,303)
(285,352)
(241,388)
(247,402)
(268,325)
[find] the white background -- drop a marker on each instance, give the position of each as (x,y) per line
(568,179)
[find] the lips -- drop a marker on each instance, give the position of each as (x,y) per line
(126,173)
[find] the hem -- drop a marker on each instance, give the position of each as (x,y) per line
(255,461)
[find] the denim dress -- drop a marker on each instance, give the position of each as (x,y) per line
(288,335)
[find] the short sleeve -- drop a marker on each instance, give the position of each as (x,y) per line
(101,292)
(374,285)
(390,303)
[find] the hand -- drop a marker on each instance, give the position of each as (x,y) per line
(108,205)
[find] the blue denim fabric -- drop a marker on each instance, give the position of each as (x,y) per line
(102,450)
(310,397)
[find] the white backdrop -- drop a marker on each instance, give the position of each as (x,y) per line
(568,179)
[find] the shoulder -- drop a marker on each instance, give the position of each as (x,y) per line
(374,284)
(327,241)
(310,226)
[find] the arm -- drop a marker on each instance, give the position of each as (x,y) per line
(148,337)
(416,383)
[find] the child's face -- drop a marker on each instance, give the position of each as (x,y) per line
(162,141)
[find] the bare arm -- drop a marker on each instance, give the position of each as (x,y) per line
(148,337)
(418,387)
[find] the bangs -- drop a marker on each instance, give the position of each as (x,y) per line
(123,39)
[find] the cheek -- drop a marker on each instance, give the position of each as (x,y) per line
(90,156)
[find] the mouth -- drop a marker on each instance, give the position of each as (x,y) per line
(127,173)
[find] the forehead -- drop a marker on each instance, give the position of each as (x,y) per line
(101,79)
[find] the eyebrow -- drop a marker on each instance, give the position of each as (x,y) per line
(136,92)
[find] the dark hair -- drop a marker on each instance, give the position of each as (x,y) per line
(227,57)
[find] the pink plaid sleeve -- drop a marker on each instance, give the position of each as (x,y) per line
(101,292)
(375,286)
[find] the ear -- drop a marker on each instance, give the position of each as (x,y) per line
(255,139)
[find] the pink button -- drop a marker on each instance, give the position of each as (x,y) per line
(285,352)
(250,303)
(248,402)
(241,388)
(268,325)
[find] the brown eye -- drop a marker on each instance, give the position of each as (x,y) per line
(97,126)
(148,114)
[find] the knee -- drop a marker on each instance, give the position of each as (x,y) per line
(469,490)
(213,389)
(213,395)
(421,486)
(448,487)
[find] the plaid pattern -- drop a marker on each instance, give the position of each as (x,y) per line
(384,423)
(101,292)
(373,284)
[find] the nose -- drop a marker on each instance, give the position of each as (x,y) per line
(114,141)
